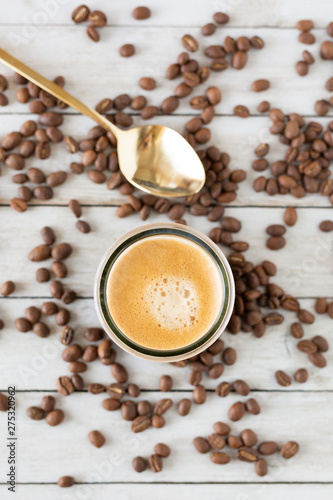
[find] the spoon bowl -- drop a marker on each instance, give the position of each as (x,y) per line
(153,158)
(160,161)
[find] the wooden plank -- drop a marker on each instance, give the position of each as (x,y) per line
(300,417)
(33,363)
(304,264)
(237,137)
(165,491)
(101,72)
(255,13)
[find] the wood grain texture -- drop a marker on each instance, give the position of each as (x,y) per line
(165,491)
(232,135)
(101,72)
(43,35)
(72,453)
(39,362)
(269,13)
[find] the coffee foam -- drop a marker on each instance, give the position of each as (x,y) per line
(164,292)
(173,302)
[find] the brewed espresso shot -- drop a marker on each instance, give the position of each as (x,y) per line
(164,292)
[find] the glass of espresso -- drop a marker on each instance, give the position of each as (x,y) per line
(164,292)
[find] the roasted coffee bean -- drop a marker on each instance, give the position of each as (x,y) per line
(54,134)
(128,410)
(257,42)
(216,441)
(252,406)
(249,437)
(40,253)
(275,242)
(77,382)
(241,387)
(184,407)
(321,343)
(301,375)
(307,346)
(247,454)
(241,111)
(308,57)
(302,68)
(165,383)
(62,317)
(239,59)
(43,193)
(97,19)
(260,85)
(83,226)
(119,372)
(289,449)
(305,316)
(64,386)
(221,428)
(43,275)
(140,423)
(93,334)
(61,251)
(90,353)
(59,269)
(111,404)
(72,353)
(223,389)
(221,18)
(234,442)
(66,333)
(290,216)
(138,102)
(116,390)
(66,481)
(36,175)
(282,378)
(48,235)
(48,403)
(18,205)
(268,447)
(201,444)
(190,43)
(260,467)
(236,411)
(157,421)
(124,210)
(56,289)
(80,14)
(317,359)
(140,13)
(155,463)
(321,305)
(220,458)
(35,413)
(216,370)
(7,288)
(127,50)
(144,408)
(11,140)
(147,83)
(3,402)
(162,406)
(307,38)
(326,226)
(96,438)
(162,450)
(199,394)
(32,314)
(49,308)
(229,356)
(263,107)
(139,464)
(55,417)
(56,178)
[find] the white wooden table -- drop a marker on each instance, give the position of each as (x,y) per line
(47,40)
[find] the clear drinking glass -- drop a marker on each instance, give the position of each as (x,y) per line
(119,337)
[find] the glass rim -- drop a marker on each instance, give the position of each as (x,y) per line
(131,237)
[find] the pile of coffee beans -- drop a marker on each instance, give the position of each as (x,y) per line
(305,167)
(248,449)
(155,461)
(96,19)
(46,410)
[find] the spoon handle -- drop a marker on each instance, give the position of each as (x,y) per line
(56,91)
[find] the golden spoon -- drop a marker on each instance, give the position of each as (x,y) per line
(153,158)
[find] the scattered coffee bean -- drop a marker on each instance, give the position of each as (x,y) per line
(66,481)
(139,464)
(96,438)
